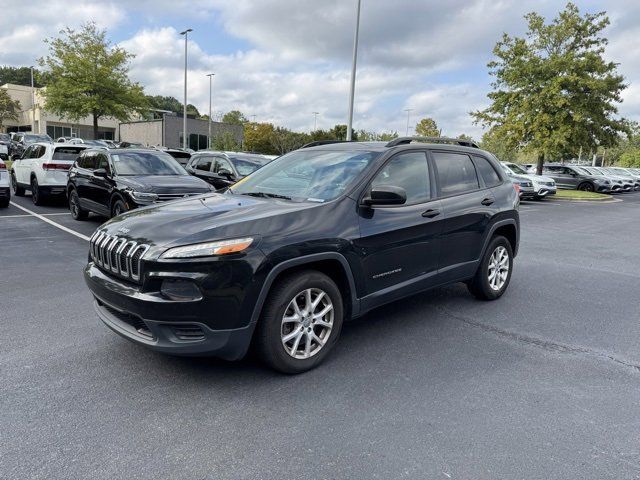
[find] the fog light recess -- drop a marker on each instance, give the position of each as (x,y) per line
(180,290)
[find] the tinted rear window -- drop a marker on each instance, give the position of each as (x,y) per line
(487,172)
(456,173)
(66,153)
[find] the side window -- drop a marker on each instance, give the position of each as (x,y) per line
(27,152)
(204,164)
(222,163)
(87,161)
(487,172)
(456,173)
(38,151)
(102,161)
(409,171)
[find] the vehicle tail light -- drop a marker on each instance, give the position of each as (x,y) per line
(56,166)
(3,166)
(516,188)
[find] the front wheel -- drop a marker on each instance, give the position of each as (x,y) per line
(586,187)
(494,273)
(301,322)
(118,207)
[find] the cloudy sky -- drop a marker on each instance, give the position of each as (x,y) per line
(280,60)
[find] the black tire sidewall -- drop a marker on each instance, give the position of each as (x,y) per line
(113,206)
(272,350)
(36,194)
(81,213)
(481,282)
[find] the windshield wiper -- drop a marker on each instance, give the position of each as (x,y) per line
(266,195)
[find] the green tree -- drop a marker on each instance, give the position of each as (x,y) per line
(234,117)
(22,76)
(9,108)
(226,142)
(89,77)
(367,136)
(492,143)
(258,138)
(427,127)
(553,91)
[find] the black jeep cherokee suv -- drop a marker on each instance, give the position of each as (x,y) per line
(320,235)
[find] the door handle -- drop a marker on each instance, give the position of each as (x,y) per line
(487,201)
(431,213)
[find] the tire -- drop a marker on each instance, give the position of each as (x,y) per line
(482,286)
(36,193)
(17,190)
(117,207)
(300,352)
(74,207)
(586,187)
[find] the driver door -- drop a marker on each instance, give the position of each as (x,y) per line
(223,172)
(21,167)
(400,244)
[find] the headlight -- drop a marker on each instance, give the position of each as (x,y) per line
(144,197)
(222,247)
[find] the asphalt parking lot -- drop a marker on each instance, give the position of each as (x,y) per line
(541,384)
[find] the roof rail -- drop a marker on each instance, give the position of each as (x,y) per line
(407,140)
(322,142)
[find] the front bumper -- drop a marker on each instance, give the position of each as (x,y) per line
(217,324)
(545,191)
(603,188)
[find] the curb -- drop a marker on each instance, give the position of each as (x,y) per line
(592,200)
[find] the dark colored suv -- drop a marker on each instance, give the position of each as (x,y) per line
(222,169)
(318,236)
(572,177)
(110,182)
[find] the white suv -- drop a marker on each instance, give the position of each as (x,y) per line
(542,186)
(5,192)
(43,169)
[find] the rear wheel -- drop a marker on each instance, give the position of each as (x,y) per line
(18,191)
(300,323)
(74,206)
(586,187)
(494,273)
(36,193)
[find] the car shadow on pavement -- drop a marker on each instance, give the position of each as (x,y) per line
(384,329)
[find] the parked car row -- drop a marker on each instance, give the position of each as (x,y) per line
(5,190)
(593,179)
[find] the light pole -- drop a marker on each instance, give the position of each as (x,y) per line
(408,110)
(254,118)
(315,120)
(210,75)
(353,75)
(33,106)
(184,108)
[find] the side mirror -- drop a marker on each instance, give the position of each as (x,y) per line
(100,172)
(225,173)
(386,195)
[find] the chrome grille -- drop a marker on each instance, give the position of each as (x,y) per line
(117,255)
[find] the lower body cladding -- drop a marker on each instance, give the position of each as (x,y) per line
(5,192)
(200,321)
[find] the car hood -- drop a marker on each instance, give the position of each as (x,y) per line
(204,218)
(165,183)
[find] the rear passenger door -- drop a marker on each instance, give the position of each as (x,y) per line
(399,245)
(468,206)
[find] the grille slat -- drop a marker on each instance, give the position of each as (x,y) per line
(117,255)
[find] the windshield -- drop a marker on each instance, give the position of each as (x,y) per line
(619,172)
(304,175)
(517,169)
(592,171)
(248,166)
(4,137)
(98,143)
(37,138)
(146,163)
(581,171)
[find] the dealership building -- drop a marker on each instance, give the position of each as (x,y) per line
(162,128)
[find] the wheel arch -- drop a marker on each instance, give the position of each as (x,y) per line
(508,228)
(332,264)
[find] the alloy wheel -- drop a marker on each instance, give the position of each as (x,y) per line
(498,270)
(307,323)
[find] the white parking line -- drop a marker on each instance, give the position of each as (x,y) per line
(27,215)
(51,222)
